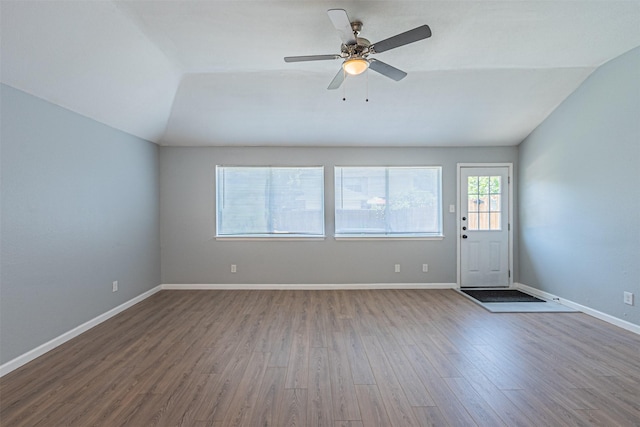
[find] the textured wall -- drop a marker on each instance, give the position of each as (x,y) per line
(580,194)
(80,204)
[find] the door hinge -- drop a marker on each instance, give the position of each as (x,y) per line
(509,273)
(508,227)
(508,180)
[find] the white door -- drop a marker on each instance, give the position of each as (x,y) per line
(484,226)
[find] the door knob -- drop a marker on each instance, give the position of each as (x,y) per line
(464,236)
(464,228)
(464,218)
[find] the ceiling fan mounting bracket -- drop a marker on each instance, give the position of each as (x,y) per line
(356,26)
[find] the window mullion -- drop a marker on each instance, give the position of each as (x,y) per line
(269,201)
(387,198)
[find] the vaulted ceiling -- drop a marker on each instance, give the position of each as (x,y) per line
(194,73)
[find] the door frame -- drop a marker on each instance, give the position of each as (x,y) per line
(459,168)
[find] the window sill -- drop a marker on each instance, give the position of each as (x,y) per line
(382,237)
(269,238)
(321,238)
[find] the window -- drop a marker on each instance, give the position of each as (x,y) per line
(269,201)
(484,202)
(388,201)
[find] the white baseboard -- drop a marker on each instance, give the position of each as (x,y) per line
(50,345)
(303,286)
(587,310)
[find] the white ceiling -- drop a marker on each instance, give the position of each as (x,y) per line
(212,72)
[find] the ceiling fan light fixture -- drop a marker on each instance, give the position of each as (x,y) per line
(355,66)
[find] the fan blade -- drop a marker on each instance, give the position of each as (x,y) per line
(401,39)
(340,20)
(337,80)
(310,58)
(387,70)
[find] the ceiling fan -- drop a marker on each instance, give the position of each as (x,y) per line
(356,50)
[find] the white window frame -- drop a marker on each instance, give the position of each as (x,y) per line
(437,235)
(268,236)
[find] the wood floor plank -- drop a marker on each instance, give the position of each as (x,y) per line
(250,336)
(319,401)
(220,389)
(330,307)
(98,390)
(58,415)
(451,408)
(148,411)
(298,366)
(393,396)
(607,399)
(318,322)
(360,369)
(346,300)
(30,412)
(181,402)
(496,400)
(269,398)
(429,416)
(597,417)
(273,324)
(504,376)
(348,424)
(101,413)
(344,401)
(417,394)
(239,409)
(372,407)
(281,343)
(339,358)
(529,403)
(474,403)
(293,408)
(439,360)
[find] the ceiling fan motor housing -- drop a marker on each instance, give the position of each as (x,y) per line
(358,50)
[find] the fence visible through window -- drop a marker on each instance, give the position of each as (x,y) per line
(484,202)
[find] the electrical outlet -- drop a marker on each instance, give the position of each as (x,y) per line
(425,268)
(114,286)
(234,268)
(628,298)
(397,268)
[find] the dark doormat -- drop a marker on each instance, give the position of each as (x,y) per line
(500,295)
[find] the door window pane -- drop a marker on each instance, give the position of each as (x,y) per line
(484,202)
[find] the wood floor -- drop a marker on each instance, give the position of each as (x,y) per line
(330,358)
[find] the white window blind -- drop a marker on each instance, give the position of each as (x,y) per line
(269,201)
(388,201)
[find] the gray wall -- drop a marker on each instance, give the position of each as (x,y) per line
(580,194)
(80,205)
(190,253)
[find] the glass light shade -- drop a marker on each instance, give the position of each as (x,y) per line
(355,66)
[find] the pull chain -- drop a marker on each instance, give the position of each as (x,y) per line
(344,85)
(367,77)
